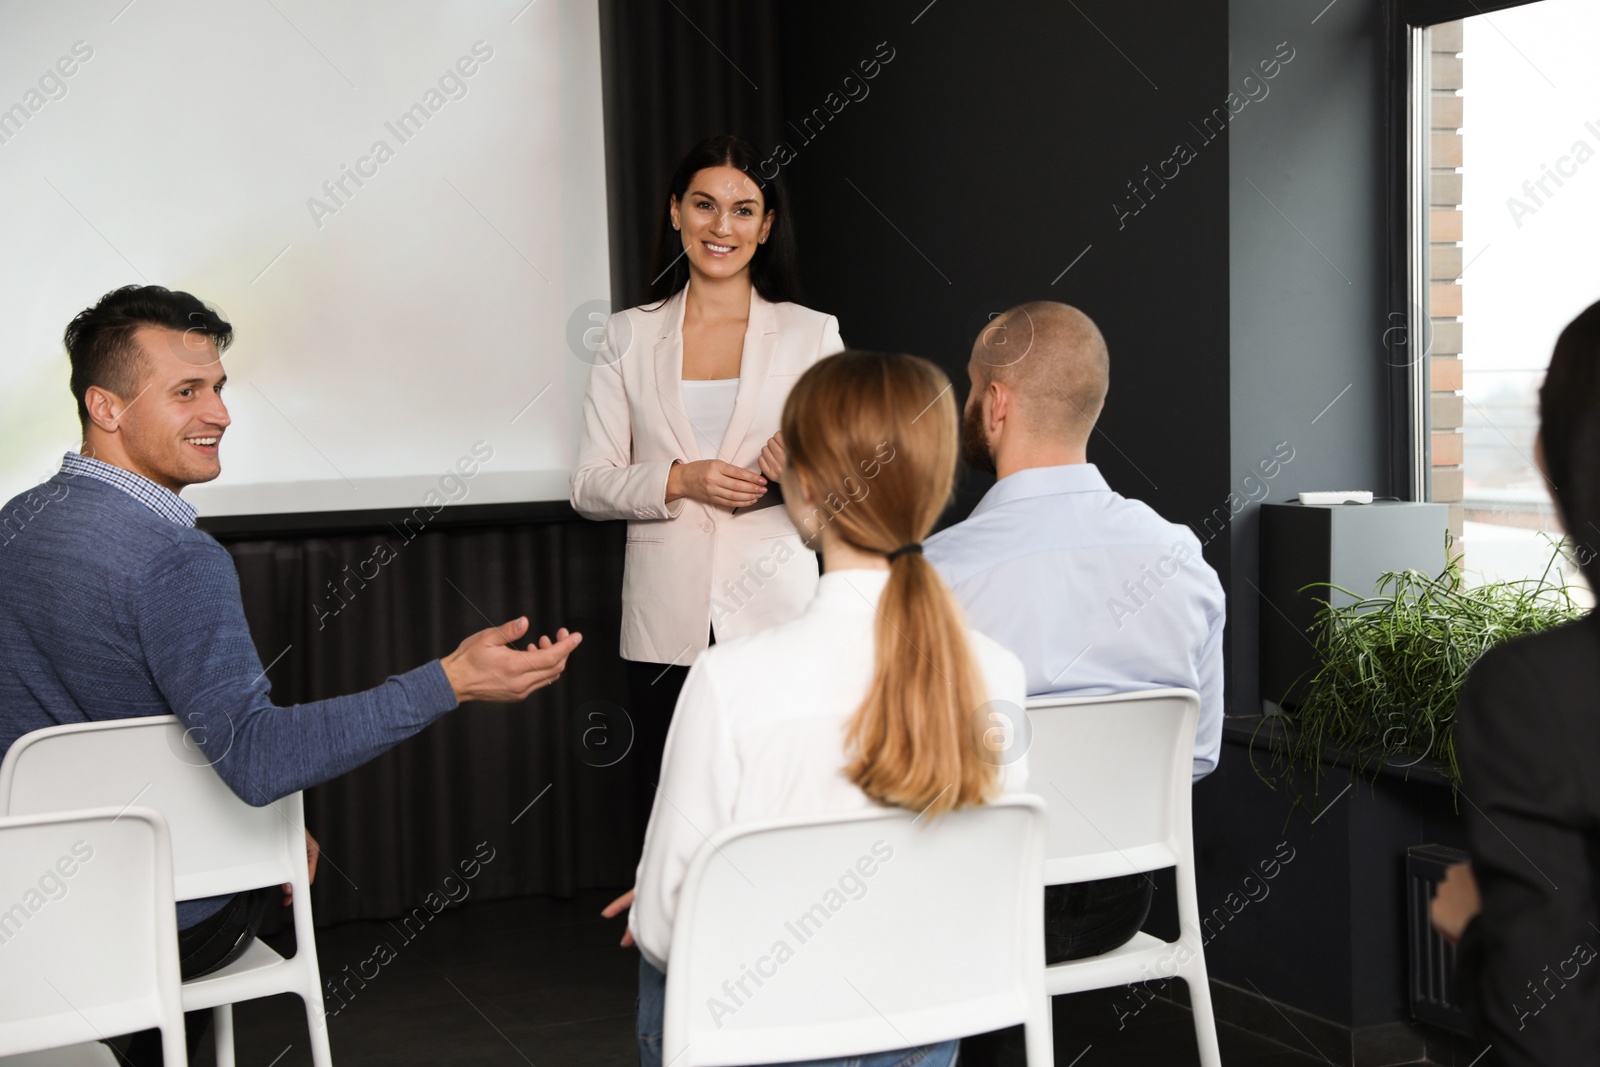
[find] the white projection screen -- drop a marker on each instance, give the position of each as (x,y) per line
(400,206)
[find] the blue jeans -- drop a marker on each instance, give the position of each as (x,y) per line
(652,1004)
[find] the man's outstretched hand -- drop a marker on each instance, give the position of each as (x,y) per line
(486,667)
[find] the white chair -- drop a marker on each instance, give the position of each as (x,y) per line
(88,936)
(842,935)
(1116,771)
(92,1054)
(220,844)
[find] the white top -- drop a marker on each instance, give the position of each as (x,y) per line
(759,733)
(1097,593)
(709,405)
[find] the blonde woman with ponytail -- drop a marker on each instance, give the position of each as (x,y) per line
(876,694)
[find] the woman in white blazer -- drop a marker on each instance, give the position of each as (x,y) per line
(680,435)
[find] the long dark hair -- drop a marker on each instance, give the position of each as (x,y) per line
(772,267)
(1569,425)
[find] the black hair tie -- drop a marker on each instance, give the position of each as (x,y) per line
(915,546)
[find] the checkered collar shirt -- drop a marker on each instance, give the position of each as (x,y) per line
(157,498)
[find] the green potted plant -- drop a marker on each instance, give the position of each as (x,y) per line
(1391,666)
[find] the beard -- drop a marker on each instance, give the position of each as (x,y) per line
(974,448)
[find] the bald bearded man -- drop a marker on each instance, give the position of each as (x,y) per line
(1045,564)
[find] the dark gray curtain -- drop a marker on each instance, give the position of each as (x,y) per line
(393,830)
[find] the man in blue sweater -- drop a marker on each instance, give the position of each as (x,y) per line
(112,604)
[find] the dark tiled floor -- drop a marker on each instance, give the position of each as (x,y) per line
(541,981)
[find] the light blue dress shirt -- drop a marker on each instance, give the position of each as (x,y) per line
(1096,593)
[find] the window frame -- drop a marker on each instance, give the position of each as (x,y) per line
(1408,337)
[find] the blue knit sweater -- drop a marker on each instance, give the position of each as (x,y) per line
(109,611)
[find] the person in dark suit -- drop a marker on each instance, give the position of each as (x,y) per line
(1526,910)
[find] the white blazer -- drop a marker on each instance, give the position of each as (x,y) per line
(692,567)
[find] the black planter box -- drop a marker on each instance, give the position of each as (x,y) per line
(1305,916)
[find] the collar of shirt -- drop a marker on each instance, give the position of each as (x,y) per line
(1043,481)
(158,498)
(855,589)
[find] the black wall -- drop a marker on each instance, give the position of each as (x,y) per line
(991,150)
(986,158)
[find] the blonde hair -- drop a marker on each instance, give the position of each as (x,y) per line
(874,439)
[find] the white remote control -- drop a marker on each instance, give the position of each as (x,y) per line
(1338,496)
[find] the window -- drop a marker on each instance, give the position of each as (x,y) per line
(1511,174)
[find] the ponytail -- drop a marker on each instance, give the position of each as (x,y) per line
(916,741)
(917,738)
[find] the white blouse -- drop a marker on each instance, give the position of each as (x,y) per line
(709,405)
(759,733)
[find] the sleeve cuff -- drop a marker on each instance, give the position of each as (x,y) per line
(674,508)
(430,689)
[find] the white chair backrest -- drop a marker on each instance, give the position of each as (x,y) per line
(840,935)
(220,843)
(1115,772)
(88,934)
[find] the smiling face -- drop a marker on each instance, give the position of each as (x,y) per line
(722,218)
(171,430)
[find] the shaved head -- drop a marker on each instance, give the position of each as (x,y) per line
(1053,360)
